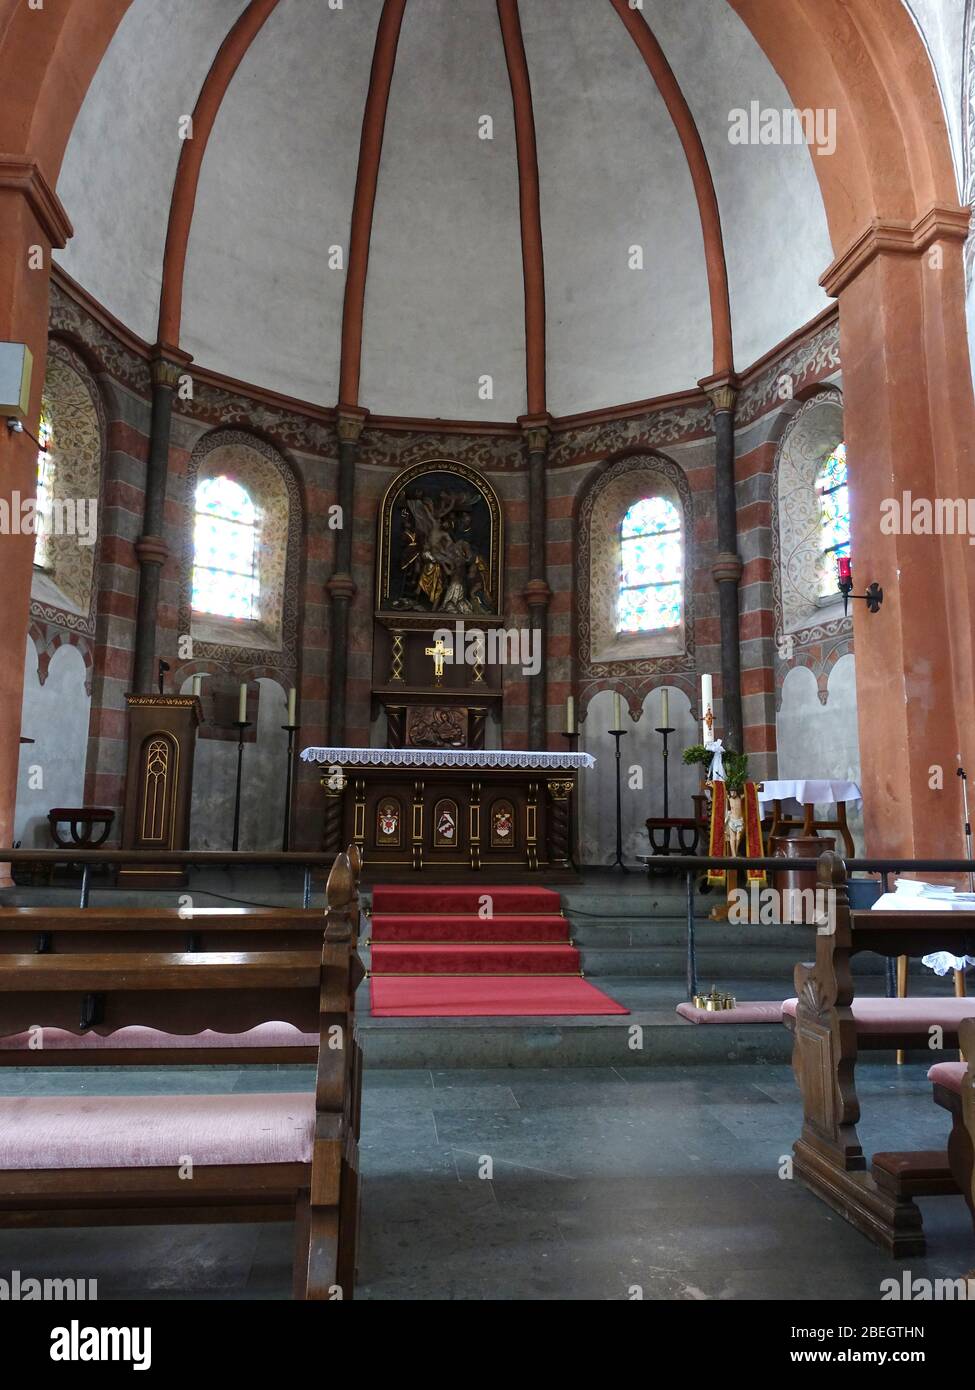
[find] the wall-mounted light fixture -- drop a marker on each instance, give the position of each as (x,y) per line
(16,370)
(874,596)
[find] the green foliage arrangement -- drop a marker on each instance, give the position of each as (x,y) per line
(735,765)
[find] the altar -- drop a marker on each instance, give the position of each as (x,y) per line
(499,813)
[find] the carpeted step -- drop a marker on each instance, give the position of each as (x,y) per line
(474,959)
(528,927)
(448,899)
(460,997)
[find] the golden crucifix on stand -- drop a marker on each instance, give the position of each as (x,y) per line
(438,651)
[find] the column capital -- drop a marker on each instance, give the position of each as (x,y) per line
(722,391)
(22,175)
(168,366)
(349,422)
(536,431)
(941,222)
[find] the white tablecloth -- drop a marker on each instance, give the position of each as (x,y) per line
(810,791)
(446,757)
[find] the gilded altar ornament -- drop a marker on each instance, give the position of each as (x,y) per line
(714,1002)
(442,571)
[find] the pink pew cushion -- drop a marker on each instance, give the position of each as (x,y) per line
(265,1035)
(903,1015)
(56,1132)
(749,1011)
(948,1074)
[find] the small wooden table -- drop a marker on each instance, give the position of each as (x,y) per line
(81,822)
(809,792)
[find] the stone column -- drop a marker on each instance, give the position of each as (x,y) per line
(341,586)
(910,428)
(727,567)
(32,221)
(151,550)
(537,431)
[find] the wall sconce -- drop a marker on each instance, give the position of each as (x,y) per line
(16,370)
(874,596)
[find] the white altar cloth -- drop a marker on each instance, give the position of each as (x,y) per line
(810,791)
(446,757)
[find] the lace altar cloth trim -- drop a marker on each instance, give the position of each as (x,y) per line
(444,757)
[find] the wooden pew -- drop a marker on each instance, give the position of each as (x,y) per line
(86,1160)
(831,1026)
(95,931)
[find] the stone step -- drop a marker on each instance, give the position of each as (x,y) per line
(672,931)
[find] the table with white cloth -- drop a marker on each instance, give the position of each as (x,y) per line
(810,792)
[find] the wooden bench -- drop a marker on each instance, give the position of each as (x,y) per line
(124,930)
(91,1160)
(830,1028)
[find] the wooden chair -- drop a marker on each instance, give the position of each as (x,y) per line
(90,1160)
(830,1028)
(954,1089)
(97,930)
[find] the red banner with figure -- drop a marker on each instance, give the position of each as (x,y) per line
(725,811)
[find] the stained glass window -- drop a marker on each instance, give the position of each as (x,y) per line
(834,499)
(651,567)
(225,579)
(45,483)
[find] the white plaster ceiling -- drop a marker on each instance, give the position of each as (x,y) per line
(444,299)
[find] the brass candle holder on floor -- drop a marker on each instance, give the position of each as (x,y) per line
(715,1002)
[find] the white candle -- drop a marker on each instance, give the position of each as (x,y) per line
(617,710)
(291,706)
(707,710)
(665,709)
(570,715)
(197,685)
(242,706)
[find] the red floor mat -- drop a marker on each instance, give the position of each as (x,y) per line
(448,898)
(474,959)
(532,996)
(538,927)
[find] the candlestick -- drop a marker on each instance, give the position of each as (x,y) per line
(665,730)
(617,863)
(570,714)
(242,724)
(291,727)
(707,710)
(242,704)
(665,706)
(292,698)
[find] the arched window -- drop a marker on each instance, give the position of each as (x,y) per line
(45,492)
(834,500)
(651,567)
(225,577)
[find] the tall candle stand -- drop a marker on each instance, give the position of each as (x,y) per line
(241,725)
(618,861)
(572,738)
(291,730)
(666,732)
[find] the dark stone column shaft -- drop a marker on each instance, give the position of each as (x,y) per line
(727,566)
(151,549)
(537,592)
(341,586)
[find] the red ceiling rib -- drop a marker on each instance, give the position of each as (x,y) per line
(229,58)
(367,176)
(697,163)
(531,219)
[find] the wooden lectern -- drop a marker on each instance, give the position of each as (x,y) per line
(159,784)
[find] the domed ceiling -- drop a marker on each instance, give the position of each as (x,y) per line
(445,301)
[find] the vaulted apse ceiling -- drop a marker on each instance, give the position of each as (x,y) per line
(444,295)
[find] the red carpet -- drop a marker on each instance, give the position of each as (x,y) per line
(435,954)
(517,996)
